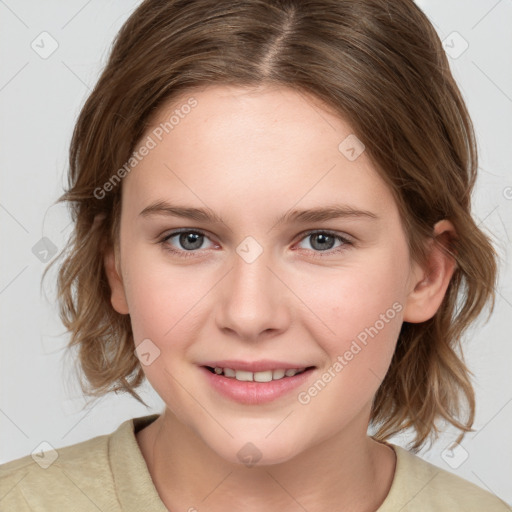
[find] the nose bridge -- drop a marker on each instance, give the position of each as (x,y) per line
(253,299)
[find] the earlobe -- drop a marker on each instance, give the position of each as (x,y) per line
(117,292)
(430,287)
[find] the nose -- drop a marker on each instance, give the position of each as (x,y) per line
(253,302)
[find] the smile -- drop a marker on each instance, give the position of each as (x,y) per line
(255,388)
(264,376)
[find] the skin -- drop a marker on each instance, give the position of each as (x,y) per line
(251,155)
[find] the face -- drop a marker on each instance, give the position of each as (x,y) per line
(261,282)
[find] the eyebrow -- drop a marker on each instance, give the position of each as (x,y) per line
(209,216)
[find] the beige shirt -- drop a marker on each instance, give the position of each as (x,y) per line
(108,473)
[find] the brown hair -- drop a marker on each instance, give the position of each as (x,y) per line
(379,65)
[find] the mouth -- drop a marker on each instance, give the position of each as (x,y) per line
(261,376)
(267,383)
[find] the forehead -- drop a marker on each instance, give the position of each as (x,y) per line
(253,146)
(262,111)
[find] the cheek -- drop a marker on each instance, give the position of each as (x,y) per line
(163,304)
(160,297)
(361,315)
(361,312)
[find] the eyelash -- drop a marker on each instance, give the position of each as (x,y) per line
(319,254)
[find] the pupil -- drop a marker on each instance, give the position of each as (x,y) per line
(323,240)
(193,238)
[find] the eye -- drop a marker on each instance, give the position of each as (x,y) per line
(323,241)
(187,240)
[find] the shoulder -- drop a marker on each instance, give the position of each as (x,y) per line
(420,486)
(65,476)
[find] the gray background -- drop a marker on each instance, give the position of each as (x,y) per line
(40,98)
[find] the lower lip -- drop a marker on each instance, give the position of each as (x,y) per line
(253,393)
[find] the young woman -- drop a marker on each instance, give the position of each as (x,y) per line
(272,225)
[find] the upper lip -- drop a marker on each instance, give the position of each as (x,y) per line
(254,366)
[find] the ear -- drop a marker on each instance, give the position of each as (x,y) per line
(430,284)
(117,296)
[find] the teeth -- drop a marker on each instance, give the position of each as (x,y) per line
(245,376)
(278,374)
(228,372)
(265,376)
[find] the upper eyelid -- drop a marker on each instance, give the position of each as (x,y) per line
(176,232)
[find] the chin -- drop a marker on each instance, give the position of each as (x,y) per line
(257,452)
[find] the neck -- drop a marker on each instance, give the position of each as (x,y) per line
(345,472)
